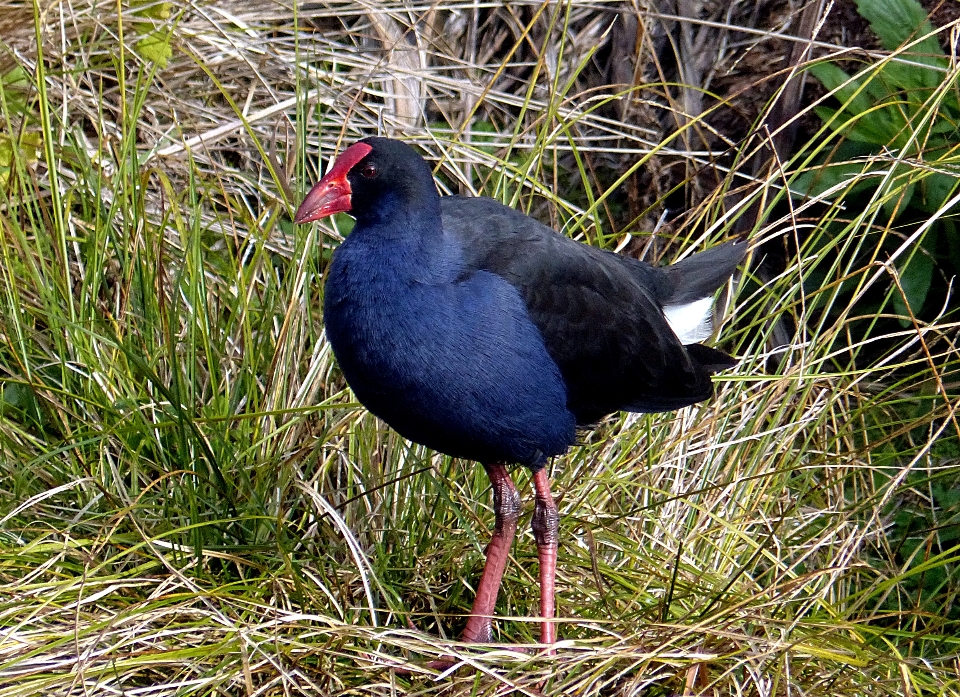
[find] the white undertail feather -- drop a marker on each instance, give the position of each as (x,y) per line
(691,322)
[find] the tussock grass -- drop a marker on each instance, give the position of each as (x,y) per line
(192,502)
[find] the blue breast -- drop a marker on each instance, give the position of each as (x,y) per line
(445,355)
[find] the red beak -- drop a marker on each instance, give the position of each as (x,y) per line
(332,193)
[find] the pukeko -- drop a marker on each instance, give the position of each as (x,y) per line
(481,333)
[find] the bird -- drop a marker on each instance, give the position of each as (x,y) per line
(484,334)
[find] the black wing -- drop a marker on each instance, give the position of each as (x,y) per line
(599,313)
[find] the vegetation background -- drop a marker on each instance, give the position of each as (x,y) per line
(192,503)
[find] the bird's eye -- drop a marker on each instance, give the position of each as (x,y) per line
(369,170)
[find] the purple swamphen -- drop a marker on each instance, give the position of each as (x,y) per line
(481,333)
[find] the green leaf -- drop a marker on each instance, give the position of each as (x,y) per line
(19,402)
(896,204)
(936,190)
(17,91)
(838,81)
(155,47)
(953,242)
(846,166)
(915,277)
(485,132)
(27,148)
(897,22)
(872,126)
(943,126)
(154,10)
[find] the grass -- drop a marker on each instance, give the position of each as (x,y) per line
(193,503)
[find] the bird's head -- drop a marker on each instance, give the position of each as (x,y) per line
(372,178)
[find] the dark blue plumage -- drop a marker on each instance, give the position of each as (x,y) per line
(481,333)
(449,359)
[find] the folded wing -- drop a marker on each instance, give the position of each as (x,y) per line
(601,314)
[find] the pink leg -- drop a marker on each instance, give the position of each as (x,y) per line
(506,507)
(546,531)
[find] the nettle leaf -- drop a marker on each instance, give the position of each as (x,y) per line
(911,77)
(874,109)
(900,201)
(916,275)
(828,176)
(952,237)
(857,94)
(896,22)
(876,83)
(936,190)
(943,126)
(19,402)
(865,127)
(849,91)
(846,164)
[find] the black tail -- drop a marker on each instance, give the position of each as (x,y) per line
(699,276)
(710,358)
